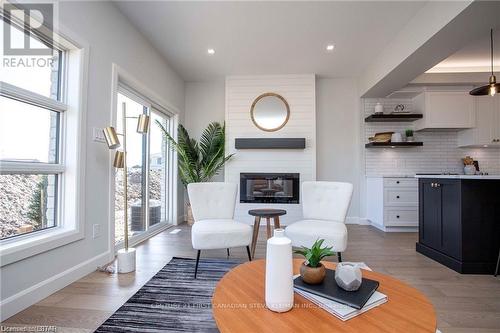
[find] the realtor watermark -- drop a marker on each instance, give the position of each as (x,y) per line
(13,62)
(28,35)
(33,19)
(36,328)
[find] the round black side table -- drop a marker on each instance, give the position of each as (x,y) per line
(267,213)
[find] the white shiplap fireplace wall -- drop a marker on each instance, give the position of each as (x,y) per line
(300,93)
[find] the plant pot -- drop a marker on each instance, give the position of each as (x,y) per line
(409,139)
(312,275)
(190,218)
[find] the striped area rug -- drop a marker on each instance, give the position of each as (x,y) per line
(172,301)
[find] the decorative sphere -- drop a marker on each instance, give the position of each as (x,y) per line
(348,276)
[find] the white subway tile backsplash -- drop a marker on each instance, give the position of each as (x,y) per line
(440,152)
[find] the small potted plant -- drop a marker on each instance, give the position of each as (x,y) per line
(312,270)
(409,135)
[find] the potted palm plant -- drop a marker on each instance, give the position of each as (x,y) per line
(312,270)
(198,161)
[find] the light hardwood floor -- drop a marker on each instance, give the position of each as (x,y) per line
(463,303)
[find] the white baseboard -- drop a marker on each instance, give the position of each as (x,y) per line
(20,301)
(357,220)
(394,229)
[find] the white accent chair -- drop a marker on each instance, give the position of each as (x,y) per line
(324,209)
(213,212)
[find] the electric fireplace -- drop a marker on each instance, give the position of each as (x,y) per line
(269,188)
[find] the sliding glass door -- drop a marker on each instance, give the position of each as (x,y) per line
(148,168)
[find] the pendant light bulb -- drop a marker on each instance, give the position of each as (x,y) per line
(493,90)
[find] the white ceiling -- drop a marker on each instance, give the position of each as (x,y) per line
(268,37)
(474,57)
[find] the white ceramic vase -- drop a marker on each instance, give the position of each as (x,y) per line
(470,170)
(279,272)
(379,108)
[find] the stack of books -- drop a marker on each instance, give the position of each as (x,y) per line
(338,302)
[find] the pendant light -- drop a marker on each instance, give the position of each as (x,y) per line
(493,87)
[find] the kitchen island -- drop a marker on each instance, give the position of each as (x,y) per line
(459,221)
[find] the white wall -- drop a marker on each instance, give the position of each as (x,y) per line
(205,103)
(112,39)
(337,133)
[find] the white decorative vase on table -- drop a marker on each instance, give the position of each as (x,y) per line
(279,272)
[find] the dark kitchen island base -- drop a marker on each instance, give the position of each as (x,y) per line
(459,223)
(456,265)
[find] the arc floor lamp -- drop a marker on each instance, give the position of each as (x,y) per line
(126,256)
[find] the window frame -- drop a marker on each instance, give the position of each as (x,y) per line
(125,83)
(70,167)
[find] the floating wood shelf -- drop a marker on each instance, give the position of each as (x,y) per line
(393,117)
(393,144)
(270,143)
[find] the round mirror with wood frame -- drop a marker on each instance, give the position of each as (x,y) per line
(270,112)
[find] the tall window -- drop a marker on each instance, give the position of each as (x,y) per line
(148,169)
(31,114)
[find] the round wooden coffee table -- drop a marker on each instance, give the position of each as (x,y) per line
(239,306)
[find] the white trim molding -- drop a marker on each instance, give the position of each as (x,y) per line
(23,299)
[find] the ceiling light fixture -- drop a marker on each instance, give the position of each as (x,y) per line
(492,87)
(330,47)
(211,51)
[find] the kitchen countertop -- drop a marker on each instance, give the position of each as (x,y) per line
(391,176)
(478,177)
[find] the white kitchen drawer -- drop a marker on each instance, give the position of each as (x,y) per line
(400,197)
(401,217)
(400,182)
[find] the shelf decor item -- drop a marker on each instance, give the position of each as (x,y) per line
(381,137)
(198,161)
(312,270)
(409,135)
(279,272)
(469,167)
(399,109)
(348,276)
(126,256)
(396,137)
(492,88)
(379,108)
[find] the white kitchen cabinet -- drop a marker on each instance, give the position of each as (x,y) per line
(444,110)
(392,203)
(487,130)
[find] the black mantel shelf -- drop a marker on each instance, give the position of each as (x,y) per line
(393,144)
(270,143)
(393,117)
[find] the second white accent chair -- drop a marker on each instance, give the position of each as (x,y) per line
(213,211)
(324,210)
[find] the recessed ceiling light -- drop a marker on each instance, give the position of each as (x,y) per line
(330,47)
(211,51)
